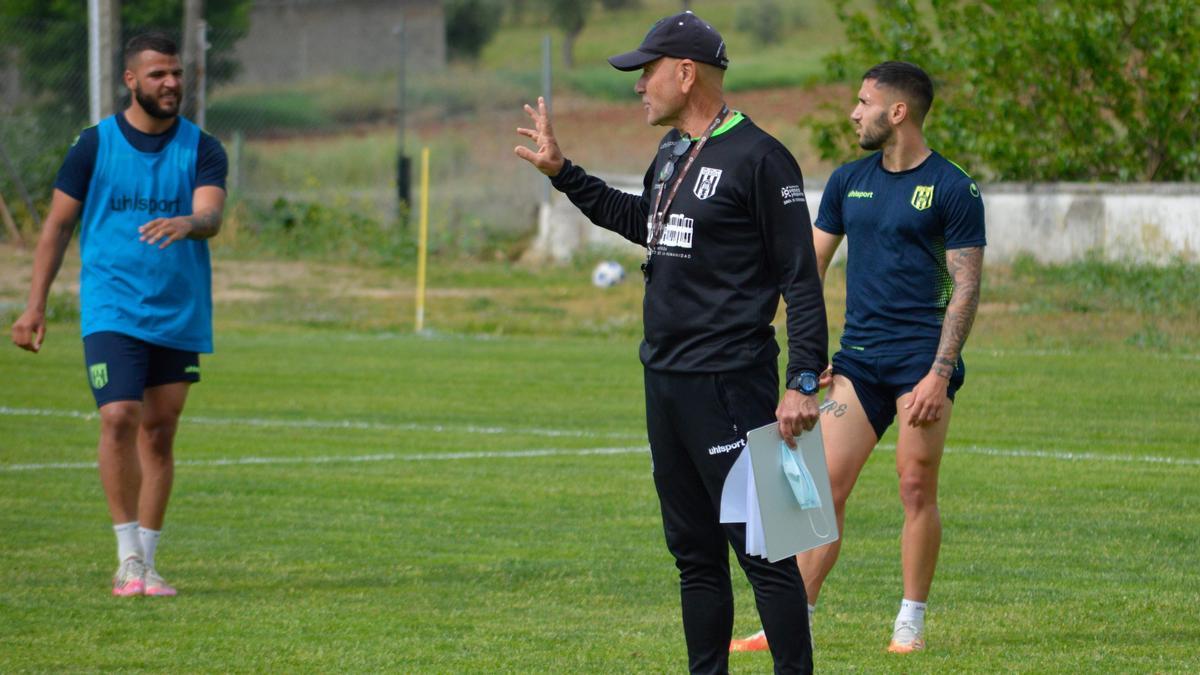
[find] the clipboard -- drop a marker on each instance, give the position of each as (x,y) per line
(757,492)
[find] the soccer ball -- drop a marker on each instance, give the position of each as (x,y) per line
(607,274)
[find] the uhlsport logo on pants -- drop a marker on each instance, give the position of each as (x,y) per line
(99,375)
(727,447)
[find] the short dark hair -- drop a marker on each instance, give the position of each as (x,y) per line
(154,41)
(912,82)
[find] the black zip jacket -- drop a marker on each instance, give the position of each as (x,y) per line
(738,236)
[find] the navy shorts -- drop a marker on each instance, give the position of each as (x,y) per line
(881,379)
(120,367)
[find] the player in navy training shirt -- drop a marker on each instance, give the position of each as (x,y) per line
(914,225)
(149,189)
(915,230)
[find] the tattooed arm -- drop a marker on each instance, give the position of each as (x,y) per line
(208,203)
(966,269)
(929,396)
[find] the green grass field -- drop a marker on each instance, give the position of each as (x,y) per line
(353,497)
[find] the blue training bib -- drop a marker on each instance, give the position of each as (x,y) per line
(162,296)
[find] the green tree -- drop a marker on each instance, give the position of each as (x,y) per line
(47,41)
(50,39)
(470,25)
(1085,90)
(762,20)
(228,22)
(571,16)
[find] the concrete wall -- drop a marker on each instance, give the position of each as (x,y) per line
(1058,222)
(1053,222)
(299,39)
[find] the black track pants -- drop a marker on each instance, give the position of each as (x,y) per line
(697,425)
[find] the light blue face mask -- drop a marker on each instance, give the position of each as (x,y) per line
(799,478)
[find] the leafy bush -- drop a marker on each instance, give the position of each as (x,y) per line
(35,140)
(1039,91)
(762,20)
(470,25)
(316,230)
(767,20)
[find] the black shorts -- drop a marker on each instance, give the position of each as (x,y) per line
(881,379)
(120,367)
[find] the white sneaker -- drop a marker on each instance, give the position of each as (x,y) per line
(907,638)
(130,578)
(156,585)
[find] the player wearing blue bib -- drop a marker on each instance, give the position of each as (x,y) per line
(150,187)
(914,226)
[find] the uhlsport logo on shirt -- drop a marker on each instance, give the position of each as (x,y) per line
(139,203)
(706,182)
(922,197)
(728,447)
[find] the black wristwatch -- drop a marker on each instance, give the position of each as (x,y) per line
(806,383)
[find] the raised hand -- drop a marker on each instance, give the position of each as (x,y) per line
(548,158)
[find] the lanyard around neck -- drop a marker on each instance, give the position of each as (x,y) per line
(659,215)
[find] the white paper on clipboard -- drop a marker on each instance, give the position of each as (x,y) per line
(757,492)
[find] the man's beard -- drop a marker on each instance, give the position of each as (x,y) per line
(877,134)
(150,105)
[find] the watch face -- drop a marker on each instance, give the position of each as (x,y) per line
(808,383)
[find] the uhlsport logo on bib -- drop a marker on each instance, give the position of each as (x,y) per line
(706,182)
(922,197)
(99,375)
(142,204)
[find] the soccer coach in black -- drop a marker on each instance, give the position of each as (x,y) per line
(726,228)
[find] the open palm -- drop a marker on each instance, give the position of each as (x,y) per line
(547,158)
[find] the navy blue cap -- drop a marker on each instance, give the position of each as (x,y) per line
(682,36)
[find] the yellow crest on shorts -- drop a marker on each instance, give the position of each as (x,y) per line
(922,197)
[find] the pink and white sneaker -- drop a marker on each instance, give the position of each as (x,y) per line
(156,585)
(130,578)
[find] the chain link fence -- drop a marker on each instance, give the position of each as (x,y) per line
(43,105)
(313,141)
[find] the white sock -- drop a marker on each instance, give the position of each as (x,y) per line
(811,609)
(913,612)
(149,544)
(128,542)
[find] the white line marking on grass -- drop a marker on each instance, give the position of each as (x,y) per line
(1062,455)
(339,424)
(555,452)
(350,459)
(1168,356)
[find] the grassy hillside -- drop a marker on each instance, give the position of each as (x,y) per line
(809,31)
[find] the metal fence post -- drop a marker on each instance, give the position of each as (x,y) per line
(104,25)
